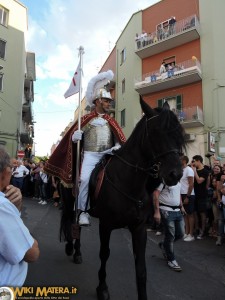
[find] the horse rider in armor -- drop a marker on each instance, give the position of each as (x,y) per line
(100,136)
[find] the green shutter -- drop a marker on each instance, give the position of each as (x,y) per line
(160,102)
(122,121)
(179,102)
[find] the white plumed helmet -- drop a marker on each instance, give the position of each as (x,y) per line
(96,87)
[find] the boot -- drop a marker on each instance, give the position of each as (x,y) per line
(219,241)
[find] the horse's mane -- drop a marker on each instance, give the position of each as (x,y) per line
(171,126)
(135,134)
(168,124)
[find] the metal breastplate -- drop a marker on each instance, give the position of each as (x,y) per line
(97,138)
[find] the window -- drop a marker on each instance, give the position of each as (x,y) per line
(4,13)
(170,62)
(123,56)
(123,118)
(175,102)
(1,82)
(162,29)
(2,49)
(123,86)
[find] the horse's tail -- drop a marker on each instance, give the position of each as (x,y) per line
(67,216)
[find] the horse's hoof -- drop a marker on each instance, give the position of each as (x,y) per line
(69,249)
(102,294)
(77,259)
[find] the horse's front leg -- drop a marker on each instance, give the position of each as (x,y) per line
(102,289)
(139,238)
(77,257)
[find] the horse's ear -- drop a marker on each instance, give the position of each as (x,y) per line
(146,108)
(166,106)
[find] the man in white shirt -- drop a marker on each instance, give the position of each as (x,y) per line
(188,199)
(18,174)
(162,68)
(168,207)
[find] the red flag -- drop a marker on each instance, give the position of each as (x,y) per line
(75,83)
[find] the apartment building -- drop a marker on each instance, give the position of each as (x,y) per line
(192,81)
(17,74)
(212,24)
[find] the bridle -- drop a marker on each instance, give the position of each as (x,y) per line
(152,171)
(155,164)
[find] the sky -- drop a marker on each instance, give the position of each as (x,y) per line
(56,30)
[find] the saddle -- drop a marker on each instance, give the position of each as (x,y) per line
(95,183)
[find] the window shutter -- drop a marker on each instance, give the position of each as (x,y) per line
(123,118)
(179,102)
(160,102)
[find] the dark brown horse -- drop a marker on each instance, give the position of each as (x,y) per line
(151,155)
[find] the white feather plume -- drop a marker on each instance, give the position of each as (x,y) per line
(97,82)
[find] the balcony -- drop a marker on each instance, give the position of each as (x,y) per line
(30,66)
(25,138)
(183,73)
(190,117)
(184,31)
(27,133)
(28,90)
(27,112)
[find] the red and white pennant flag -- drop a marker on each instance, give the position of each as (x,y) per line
(75,83)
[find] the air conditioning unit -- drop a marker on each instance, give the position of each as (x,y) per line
(190,137)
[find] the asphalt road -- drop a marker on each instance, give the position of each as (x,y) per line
(203,263)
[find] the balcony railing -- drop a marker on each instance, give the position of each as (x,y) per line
(28,90)
(184,31)
(182,73)
(30,66)
(25,138)
(190,116)
(28,112)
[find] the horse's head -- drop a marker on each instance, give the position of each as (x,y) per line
(163,142)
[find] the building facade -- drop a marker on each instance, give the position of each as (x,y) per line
(191,78)
(176,46)
(213,80)
(17,73)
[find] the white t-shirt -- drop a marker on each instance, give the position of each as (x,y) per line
(21,170)
(187,172)
(223,199)
(44,177)
(162,69)
(169,195)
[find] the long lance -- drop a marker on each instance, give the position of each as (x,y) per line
(75,228)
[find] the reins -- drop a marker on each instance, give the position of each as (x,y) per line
(154,168)
(139,203)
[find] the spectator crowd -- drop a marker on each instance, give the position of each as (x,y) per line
(202,190)
(33,182)
(199,197)
(191,210)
